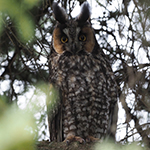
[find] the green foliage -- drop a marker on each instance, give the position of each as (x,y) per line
(17,11)
(16,129)
(53,98)
(36,104)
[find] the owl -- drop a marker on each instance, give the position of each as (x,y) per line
(86,105)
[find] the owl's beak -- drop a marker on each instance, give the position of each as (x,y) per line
(74,48)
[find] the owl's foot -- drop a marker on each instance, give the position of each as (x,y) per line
(91,139)
(72,138)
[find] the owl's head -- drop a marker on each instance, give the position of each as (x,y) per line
(73,36)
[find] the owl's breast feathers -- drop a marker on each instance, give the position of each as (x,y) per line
(67,69)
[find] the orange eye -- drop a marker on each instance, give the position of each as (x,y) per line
(82,38)
(64,39)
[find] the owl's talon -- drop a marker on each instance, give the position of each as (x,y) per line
(71,138)
(84,141)
(67,142)
(80,140)
(91,139)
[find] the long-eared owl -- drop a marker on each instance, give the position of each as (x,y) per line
(81,72)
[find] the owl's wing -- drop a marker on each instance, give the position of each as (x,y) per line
(54,105)
(54,109)
(112,91)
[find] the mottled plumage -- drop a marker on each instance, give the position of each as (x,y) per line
(81,73)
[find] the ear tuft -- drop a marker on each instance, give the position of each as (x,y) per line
(59,13)
(85,13)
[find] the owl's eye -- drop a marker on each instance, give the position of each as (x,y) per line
(82,38)
(64,39)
